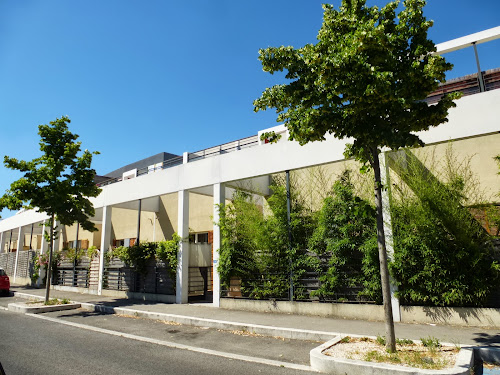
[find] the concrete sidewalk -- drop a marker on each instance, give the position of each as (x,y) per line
(271,324)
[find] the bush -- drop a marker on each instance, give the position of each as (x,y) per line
(346,236)
(442,254)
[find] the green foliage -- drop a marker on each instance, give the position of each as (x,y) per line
(55,301)
(166,251)
(277,259)
(240,223)
(404,342)
(346,236)
(431,343)
(72,254)
(380,340)
(271,137)
(59,182)
(255,247)
(442,254)
(365,78)
(139,255)
(92,252)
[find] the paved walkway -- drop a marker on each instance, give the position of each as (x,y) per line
(274,324)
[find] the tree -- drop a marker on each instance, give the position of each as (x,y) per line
(366,78)
(58,183)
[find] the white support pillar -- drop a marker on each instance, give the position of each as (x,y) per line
(20,242)
(43,243)
(182,279)
(219,198)
(43,249)
(2,246)
(389,242)
(57,236)
(105,241)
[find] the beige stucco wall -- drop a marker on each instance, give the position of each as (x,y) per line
(155,226)
(478,152)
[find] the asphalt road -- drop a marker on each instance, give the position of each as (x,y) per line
(30,345)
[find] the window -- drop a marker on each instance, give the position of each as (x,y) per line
(202,237)
(198,237)
(118,243)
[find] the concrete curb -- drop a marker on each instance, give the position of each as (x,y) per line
(25,309)
(289,333)
(323,363)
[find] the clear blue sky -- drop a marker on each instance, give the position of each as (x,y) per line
(141,77)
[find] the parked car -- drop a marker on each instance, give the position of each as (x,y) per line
(4,282)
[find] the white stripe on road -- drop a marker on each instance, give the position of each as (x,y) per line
(169,344)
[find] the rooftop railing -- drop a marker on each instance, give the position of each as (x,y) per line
(467,85)
(193,156)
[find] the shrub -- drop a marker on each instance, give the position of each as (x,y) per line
(346,237)
(442,254)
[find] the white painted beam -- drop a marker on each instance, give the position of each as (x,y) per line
(467,41)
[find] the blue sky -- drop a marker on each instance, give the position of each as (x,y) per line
(141,77)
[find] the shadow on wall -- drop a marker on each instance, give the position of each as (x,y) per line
(473,316)
(164,221)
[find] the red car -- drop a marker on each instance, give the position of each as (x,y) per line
(4,282)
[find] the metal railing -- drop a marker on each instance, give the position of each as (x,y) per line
(154,281)
(467,85)
(194,156)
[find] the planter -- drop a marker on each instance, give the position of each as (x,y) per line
(324,363)
(234,287)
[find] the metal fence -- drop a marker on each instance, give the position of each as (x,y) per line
(71,273)
(276,286)
(119,276)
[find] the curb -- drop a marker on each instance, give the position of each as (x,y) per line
(25,309)
(289,333)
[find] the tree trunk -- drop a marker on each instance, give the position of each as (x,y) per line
(49,265)
(390,336)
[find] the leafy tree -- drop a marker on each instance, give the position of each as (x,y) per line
(366,78)
(346,235)
(58,183)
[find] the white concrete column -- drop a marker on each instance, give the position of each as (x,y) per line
(185,157)
(219,198)
(182,279)
(105,241)
(20,243)
(43,244)
(57,236)
(389,241)
(2,246)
